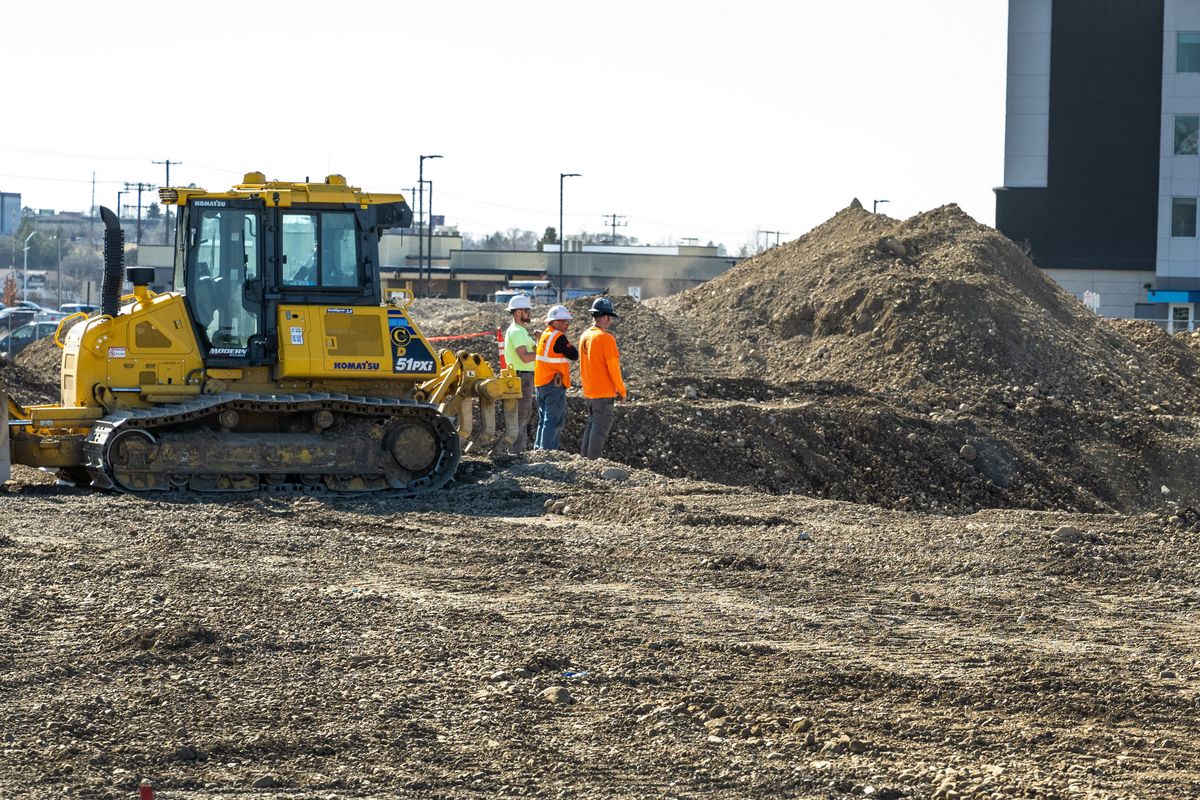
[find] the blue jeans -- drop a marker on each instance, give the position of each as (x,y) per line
(552,410)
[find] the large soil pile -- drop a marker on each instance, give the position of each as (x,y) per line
(924,363)
(937,307)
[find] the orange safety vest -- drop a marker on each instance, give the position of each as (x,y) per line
(549,363)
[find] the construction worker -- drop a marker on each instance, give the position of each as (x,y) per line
(519,354)
(552,376)
(600,373)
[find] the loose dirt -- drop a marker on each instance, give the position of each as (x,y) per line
(890,516)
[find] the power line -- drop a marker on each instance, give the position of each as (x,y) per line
(56,180)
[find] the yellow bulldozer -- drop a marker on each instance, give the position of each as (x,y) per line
(275,364)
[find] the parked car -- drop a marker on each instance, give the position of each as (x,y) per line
(13,317)
(38,308)
(12,343)
(75,308)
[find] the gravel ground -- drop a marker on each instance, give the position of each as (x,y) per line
(643,637)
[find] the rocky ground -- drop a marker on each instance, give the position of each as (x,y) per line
(851,549)
(642,637)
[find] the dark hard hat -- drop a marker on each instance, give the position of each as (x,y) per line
(603,306)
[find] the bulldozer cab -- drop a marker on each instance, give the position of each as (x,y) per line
(223,276)
(239,259)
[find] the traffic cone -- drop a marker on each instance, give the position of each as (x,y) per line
(500,346)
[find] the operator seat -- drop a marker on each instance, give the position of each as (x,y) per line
(204,304)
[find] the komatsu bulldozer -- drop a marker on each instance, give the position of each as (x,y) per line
(273,365)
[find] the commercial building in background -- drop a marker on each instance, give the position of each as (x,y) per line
(1102,151)
(10,213)
(634,270)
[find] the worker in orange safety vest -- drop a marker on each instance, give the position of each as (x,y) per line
(552,376)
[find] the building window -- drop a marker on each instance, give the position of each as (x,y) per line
(1183,216)
(1187,135)
(1187,52)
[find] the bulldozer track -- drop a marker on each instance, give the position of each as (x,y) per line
(368,444)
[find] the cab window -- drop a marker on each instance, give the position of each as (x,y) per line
(319,249)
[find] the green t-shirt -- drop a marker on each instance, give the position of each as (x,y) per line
(516,336)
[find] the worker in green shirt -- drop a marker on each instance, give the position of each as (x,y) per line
(520,353)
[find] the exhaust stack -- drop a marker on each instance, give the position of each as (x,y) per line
(114,263)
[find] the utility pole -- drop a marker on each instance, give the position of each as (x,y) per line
(139,187)
(92,213)
(167,211)
(768,237)
(614,225)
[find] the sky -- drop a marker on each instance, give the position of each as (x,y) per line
(689,119)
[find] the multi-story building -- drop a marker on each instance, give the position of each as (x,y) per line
(10,213)
(1102,150)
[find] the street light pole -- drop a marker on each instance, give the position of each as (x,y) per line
(429,249)
(562,241)
(420,218)
(25,268)
(58,267)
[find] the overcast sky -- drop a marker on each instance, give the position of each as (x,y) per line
(691,118)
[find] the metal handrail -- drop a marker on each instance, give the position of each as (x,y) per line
(63,322)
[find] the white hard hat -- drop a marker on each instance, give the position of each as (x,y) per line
(556,313)
(518,301)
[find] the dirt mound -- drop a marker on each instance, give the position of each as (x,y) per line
(43,358)
(441,317)
(32,378)
(938,307)
(1178,354)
